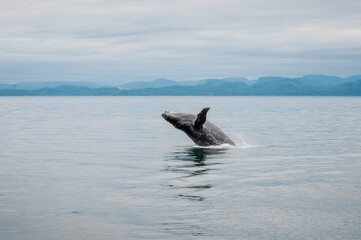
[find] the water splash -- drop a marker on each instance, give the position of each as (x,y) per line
(227,146)
(242,141)
(222,146)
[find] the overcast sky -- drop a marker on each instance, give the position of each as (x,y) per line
(116,41)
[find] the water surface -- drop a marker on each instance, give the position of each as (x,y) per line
(112,168)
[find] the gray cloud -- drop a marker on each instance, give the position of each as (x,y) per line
(117,41)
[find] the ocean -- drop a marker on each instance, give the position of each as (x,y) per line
(113,168)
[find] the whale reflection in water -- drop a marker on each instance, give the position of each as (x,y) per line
(191,172)
(191,180)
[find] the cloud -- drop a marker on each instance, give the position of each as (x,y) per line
(117,41)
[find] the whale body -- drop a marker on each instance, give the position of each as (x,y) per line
(201,131)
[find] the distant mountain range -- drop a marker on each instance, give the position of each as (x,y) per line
(308,85)
(39,85)
(158,83)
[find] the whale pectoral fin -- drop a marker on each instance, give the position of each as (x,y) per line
(201,119)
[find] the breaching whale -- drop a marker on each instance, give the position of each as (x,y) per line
(201,131)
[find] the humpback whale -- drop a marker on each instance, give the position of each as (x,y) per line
(201,131)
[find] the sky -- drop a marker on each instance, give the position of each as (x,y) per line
(118,41)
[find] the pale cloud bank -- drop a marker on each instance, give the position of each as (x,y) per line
(120,41)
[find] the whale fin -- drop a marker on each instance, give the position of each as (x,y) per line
(201,119)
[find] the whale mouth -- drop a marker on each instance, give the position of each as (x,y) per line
(165,115)
(169,117)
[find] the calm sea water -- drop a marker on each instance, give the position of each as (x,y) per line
(112,168)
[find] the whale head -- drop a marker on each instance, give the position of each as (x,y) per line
(185,121)
(178,120)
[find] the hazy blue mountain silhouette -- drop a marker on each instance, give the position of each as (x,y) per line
(308,85)
(152,84)
(167,83)
(50,84)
